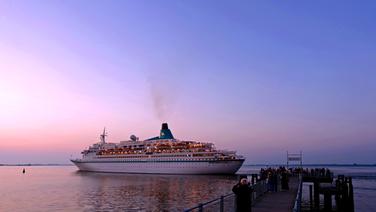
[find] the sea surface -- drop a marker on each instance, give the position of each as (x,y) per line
(63,188)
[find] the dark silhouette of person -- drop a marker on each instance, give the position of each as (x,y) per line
(275,181)
(285,181)
(23,171)
(243,193)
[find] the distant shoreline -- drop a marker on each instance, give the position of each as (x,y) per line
(266,165)
(36,164)
(313,164)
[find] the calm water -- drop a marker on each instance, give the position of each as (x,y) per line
(65,189)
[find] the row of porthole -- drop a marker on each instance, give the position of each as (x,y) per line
(174,160)
(164,159)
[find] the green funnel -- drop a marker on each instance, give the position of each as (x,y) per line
(165,132)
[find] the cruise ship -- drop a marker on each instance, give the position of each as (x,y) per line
(158,155)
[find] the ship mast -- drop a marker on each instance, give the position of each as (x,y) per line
(103,136)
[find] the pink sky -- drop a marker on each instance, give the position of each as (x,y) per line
(68,69)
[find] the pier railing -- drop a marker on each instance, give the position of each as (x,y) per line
(298,199)
(224,203)
(227,202)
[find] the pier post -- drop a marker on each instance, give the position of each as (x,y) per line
(316,194)
(327,201)
(200,207)
(345,194)
(221,204)
(351,196)
(338,195)
(310,197)
(252,200)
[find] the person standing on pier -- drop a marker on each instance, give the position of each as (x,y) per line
(285,181)
(243,193)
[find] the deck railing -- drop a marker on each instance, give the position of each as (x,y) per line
(227,202)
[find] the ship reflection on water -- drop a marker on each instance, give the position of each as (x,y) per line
(145,192)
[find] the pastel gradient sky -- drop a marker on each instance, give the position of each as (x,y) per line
(259,77)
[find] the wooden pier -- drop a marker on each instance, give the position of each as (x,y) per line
(262,199)
(267,199)
(282,201)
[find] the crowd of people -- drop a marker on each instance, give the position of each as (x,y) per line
(277,178)
(322,172)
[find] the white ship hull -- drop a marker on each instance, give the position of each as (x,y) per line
(162,167)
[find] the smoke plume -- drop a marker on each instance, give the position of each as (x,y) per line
(163,94)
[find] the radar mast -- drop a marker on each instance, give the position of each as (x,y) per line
(103,136)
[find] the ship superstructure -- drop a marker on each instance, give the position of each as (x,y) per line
(162,154)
